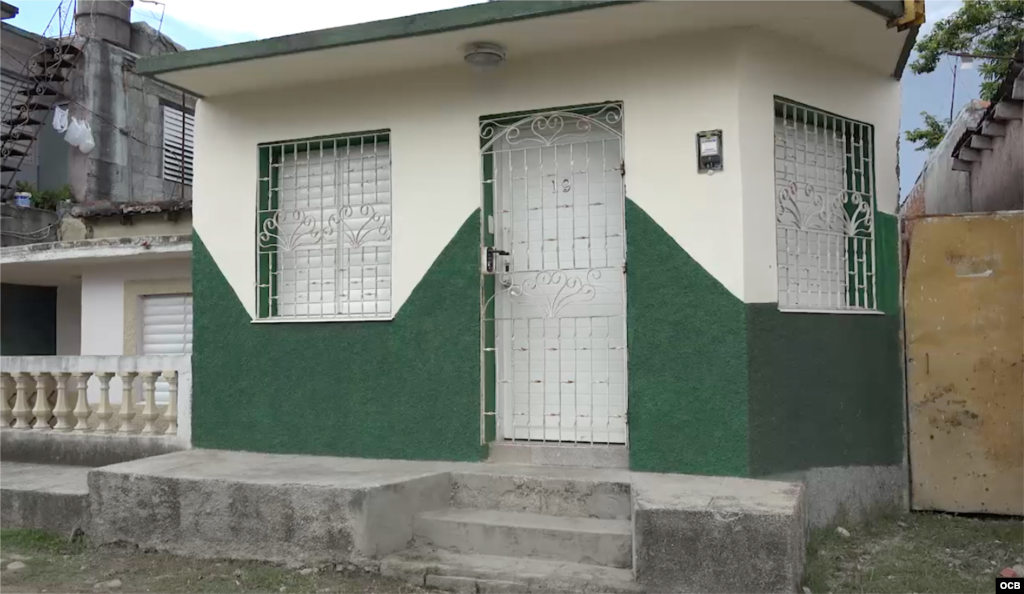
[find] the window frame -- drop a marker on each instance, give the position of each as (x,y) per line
(870,296)
(269,194)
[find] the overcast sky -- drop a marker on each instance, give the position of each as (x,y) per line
(203,23)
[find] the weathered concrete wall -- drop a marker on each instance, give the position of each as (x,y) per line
(123,167)
(947,191)
(22,226)
(721,535)
(44,497)
(75,449)
(997,181)
(73,229)
(850,494)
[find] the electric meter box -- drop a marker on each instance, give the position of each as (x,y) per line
(709,151)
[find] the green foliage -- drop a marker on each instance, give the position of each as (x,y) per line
(46,199)
(931,135)
(990,27)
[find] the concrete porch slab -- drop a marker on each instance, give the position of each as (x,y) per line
(44,496)
(689,533)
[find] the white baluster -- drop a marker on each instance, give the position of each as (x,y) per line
(149,412)
(127,412)
(171,414)
(61,410)
(82,404)
(105,412)
(41,411)
(22,413)
(6,416)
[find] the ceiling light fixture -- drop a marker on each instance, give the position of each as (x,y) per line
(483,54)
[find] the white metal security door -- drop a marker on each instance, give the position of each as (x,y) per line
(559,315)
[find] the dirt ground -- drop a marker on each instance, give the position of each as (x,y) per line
(919,552)
(51,564)
(922,553)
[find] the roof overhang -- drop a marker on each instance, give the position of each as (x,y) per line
(854,30)
(62,262)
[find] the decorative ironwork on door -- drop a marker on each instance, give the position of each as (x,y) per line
(554,314)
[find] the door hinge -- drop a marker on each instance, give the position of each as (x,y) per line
(622,169)
(625,267)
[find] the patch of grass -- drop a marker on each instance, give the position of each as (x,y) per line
(918,552)
(52,565)
(38,541)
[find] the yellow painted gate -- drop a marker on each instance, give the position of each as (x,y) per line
(964,301)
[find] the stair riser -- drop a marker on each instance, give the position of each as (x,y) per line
(555,497)
(607,549)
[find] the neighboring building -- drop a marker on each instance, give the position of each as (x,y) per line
(941,189)
(993,150)
(98,272)
(348,181)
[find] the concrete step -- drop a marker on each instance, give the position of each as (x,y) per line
(577,493)
(457,572)
(44,496)
(589,541)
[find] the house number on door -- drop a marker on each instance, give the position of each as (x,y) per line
(566,186)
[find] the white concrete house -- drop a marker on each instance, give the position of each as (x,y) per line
(687,208)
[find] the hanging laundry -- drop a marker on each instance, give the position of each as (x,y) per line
(60,119)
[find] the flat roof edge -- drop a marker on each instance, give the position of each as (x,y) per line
(466,17)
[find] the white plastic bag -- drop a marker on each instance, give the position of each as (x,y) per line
(89,143)
(60,119)
(75,133)
(79,134)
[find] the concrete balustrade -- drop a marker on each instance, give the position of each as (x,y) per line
(74,394)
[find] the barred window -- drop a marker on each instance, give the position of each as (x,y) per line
(324,229)
(179,130)
(825,211)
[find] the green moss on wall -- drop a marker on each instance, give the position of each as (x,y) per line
(687,359)
(28,320)
(409,388)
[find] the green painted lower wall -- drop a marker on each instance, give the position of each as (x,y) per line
(28,320)
(827,389)
(409,388)
(716,386)
(687,359)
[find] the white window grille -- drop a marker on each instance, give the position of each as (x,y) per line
(324,229)
(179,131)
(825,211)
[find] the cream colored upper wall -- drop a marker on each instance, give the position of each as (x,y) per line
(671,89)
(772,65)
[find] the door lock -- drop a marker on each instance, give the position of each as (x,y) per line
(488,259)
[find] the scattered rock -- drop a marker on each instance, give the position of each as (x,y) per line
(112,584)
(308,571)
(1019,570)
(339,568)
(20,558)
(281,589)
(843,532)
(238,573)
(293,565)
(807,590)
(1006,572)
(15,566)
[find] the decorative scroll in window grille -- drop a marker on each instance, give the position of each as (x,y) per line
(324,229)
(824,211)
